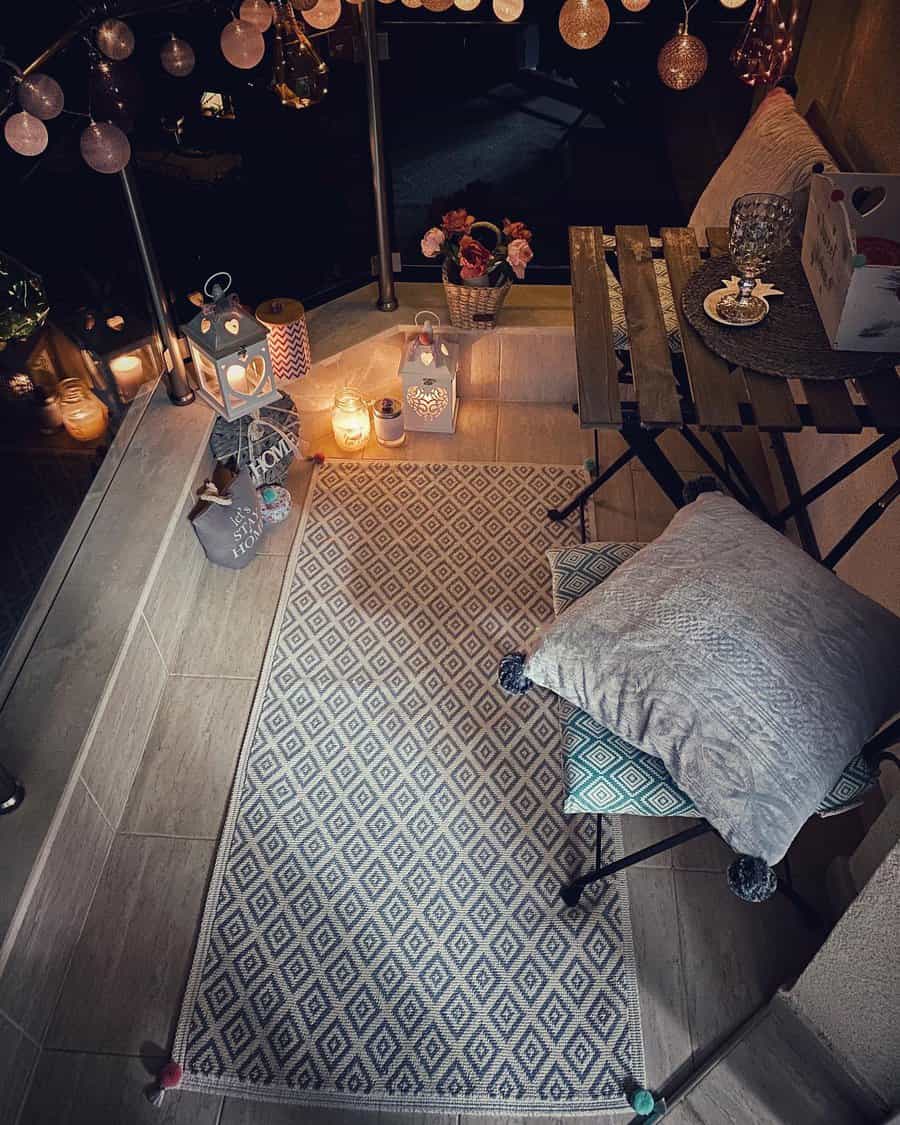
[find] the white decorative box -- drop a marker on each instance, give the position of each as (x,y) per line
(858,299)
(428,374)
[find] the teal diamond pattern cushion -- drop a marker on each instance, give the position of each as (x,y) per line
(602,772)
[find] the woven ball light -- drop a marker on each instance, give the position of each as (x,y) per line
(25,134)
(437,5)
(115,39)
(177,58)
(638,5)
(507,11)
(258,13)
(41,96)
(467,5)
(682,61)
(584,23)
(732,3)
(324,14)
(242,45)
(104,147)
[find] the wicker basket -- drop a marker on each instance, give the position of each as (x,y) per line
(474,306)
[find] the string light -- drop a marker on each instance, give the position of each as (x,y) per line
(583,23)
(766,45)
(177,58)
(682,61)
(638,5)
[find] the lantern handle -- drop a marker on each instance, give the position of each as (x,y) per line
(426,312)
(212,277)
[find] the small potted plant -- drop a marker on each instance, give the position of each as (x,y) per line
(480,263)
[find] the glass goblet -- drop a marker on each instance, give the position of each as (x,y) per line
(759,230)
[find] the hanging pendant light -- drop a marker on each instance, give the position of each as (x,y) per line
(299,77)
(323,14)
(26,134)
(258,13)
(242,45)
(177,58)
(583,23)
(766,44)
(115,39)
(638,5)
(41,96)
(682,61)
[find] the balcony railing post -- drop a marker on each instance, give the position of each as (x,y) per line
(387,298)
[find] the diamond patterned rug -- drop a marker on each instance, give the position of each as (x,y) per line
(383,927)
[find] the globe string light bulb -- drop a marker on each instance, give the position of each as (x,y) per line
(682,60)
(323,14)
(258,13)
(732,3)
(299,77)
(41,96)
(26,134)
(242,45)
(583,23)
(508,10)
(104,147)
(437,5)
(177,57)
(115,39)
(413,3)
(638,5)
(464,5)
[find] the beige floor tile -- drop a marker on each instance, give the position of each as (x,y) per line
(71,1088)
(126,978)
(545,433)
(185,777)
(705,853)
(735,954)
(17,1058)
(538,367)
(475,438)
(48,934)
(279,537)
(118,744)
(230,621)
(653,509)
(479,365)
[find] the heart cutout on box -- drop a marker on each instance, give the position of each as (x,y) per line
(232,326)
(866,199)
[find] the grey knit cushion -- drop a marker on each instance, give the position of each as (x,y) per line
(749,669)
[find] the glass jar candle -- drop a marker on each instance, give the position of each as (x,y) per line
(83,414)
(389,421)
(350,420)
(128,372)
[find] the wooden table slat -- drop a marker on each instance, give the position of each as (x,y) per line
(714,389)
(831,406)
(651,362)
(771,398)
(882,394)
(595,357)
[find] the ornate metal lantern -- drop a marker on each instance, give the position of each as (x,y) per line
(230,351)
(428,373)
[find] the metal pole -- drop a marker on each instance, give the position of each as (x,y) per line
(387,298)
(176,377)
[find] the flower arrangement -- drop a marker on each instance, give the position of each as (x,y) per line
(493,258)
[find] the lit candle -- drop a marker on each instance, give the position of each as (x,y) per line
(128,372)
(236,375)
(350,420)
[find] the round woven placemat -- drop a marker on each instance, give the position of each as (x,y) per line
(790,342)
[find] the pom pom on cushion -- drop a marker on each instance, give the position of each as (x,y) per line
(775,153)
(752,879)
(511,674)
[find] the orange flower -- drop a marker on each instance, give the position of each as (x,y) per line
(457,222)
(516,229)
(473,257)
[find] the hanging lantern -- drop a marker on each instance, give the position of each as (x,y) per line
(323,14)
(177,57)
(682,60)
(230,352)
(258,13)
(766,44)
(638,5)
(242,45)
(41,96)
(104,147)
(350,420)
(299,77)
(428,374)
(115,39)
(583,23)
(508,10)
(25,134)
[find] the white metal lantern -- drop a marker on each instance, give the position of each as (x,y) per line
(230,351)
(428,373)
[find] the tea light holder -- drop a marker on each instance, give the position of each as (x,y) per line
(83,414)
(350,420)
(128,375)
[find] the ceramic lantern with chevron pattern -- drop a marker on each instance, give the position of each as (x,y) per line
(285,320)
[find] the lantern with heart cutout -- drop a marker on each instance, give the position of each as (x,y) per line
(428,373)
(230,351)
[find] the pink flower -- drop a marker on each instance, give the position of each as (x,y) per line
(433,242)
(519,254)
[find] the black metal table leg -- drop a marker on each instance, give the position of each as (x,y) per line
(578,501)
(733,462)
(789,476)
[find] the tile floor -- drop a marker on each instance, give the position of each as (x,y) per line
(705,960)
